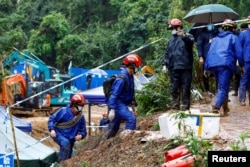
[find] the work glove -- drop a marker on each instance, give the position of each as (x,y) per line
(111,115)
(180,33)
(164,69)
(206,73)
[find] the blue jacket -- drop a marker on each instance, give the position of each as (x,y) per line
(122,92)
(179,52)
(225,49)
(203,42)
(65,114)
(244,38)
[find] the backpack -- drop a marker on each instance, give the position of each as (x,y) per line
(107,84)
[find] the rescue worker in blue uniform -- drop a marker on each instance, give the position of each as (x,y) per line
(244,39)
(179,62)
(68,125)
(203,44)
(122,96)
(224,51)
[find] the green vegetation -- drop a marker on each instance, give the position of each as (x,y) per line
(240,144)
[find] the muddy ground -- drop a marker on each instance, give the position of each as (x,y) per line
(135,149)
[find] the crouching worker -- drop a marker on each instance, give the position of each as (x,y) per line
(68,125)
(122,96)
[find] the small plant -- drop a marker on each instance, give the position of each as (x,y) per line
(154,96)
(156,126)
(240,145)
(84,164)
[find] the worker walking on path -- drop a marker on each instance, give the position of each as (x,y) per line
(224,51)
(179,62)
(203,44)
(68,125)
(122,96)
(244,39)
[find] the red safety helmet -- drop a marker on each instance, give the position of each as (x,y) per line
(133,59)
(77,99)
(174,23)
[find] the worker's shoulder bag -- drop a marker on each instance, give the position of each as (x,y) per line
(70,123)
(107,84)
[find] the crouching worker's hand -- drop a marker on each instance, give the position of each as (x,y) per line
(111,115)
(78,137)
(206,73)
(53,133)
(164,69)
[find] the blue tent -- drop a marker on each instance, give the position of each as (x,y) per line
(95,95)
(24,126)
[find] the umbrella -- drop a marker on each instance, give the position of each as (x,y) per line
(212,13)
(96,71)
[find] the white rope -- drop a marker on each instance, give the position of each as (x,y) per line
(203,26)
(93,126)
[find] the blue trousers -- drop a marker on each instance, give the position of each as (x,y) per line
(245,79)
(223,76)
(66,146)
(121,113)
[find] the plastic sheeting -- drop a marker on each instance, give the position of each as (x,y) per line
(31,152)
(24,126)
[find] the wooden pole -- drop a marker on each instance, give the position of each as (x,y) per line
(14,139)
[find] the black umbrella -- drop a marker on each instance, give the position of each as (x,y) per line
(212,13)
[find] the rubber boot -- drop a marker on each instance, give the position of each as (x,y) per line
(225,107)
(215,110)
(108,134)
(184,107)
(174,105)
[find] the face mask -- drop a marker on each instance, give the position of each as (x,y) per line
(174,32)
(136,70)
(220,29)
(210,27)
(79,108)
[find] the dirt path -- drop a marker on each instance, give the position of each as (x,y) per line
(238,120)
